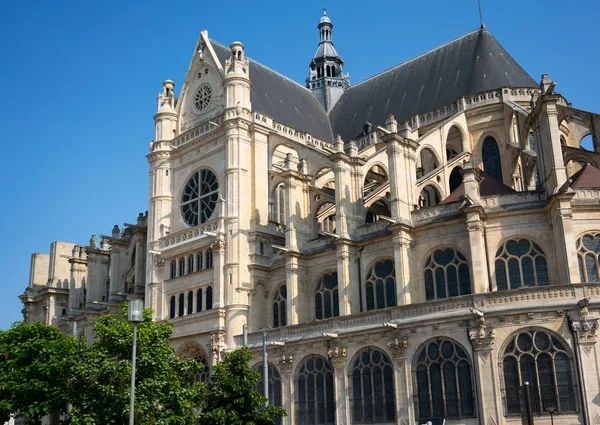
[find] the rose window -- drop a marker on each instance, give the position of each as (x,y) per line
(200,197)
(203,97)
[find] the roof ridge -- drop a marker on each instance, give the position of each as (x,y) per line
(416,57)
(266,67)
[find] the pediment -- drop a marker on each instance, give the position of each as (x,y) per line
(202,96)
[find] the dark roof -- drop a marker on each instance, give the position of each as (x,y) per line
(488,186)
(470,64)
(586,178)
(282,99)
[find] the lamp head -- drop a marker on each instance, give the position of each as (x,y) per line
(135,311)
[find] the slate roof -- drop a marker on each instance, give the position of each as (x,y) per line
(470,64)
(488,186)
(586,178)
(282,99)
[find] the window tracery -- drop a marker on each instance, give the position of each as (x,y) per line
(446,275)
(327,297)
(199,198)
(588,255)
(520,263)
(315,395)
(492,163)
(279,307)
(537,357)
(380,285)
(274,385)
(444,381)
(372,379)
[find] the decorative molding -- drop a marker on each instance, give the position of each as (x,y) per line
(585,328)
(481,336)
(337,354)
(285,363)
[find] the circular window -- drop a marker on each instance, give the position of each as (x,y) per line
(203,97)
(199,197)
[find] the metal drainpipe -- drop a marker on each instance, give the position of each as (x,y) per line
(584,412)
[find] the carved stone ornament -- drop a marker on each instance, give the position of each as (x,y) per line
(481,337)
(398,345)
(217,345)
(337,355)
(585,328)
(285,362)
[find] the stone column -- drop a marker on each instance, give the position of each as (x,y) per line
(337,356)
(584,327)
(349,297)
(285,363)
(293,301)
(402,244)
(218,248)
(402,379)
(482,337)
(561,216)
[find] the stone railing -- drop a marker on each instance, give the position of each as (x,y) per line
(370,139)
(293,134)
(367,229)
(519,199)
(438,311)
(436,213)
(197,132)
(187,235)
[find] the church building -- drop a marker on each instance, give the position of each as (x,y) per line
(414,246)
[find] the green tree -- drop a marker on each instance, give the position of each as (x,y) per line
(167,387)
(230,397)
(35,365)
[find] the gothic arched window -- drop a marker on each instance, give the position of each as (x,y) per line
(326,297)
(444,385)
(537,357)
(209,258)
(172,307)
(278,204)
(588,253)
(199,300)
(274,385)
(520,263)
(372,376)
(279,307)
(380,285)
(181,266)
(199,261)
(181,305)
(315,395)
(173,269)
(190,302)
(209,298)
(190,264)
(490,154)
(446,275)
(193,351)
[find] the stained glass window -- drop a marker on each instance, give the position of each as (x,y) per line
(520,263)
(380,285)
(446,275)
(588,253)
(491,158)
(326,297)
(279,307)
(315,393)
(199,197)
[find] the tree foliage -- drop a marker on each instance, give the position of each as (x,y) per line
(35,371)
(230,397)
(167,389)
(44,372)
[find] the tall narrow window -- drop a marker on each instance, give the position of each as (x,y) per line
(326,297)
(190,264)
(181,266)
(209,298)
(588,253)
(442,371)
(209,258)
(190,302)
(181,305)
(173,269)
(314,391)
(274,385)
(372,377)
(380,285)
(199,261)
(279,307)
(520,263)
(491,158)
(537,357)
(199,300)
(172,308)
(446,275)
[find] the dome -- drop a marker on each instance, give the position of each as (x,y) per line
(325,19)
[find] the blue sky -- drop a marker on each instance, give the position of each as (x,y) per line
(80,80)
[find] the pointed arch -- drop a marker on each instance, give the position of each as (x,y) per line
(192,350)
(490,155)
(314,391)
(455,179)
(429,196)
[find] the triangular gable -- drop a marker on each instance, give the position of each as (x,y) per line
(488,186)
(586,178)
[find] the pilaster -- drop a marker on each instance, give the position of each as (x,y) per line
(337,355)
(402,244)
(398,346)
(561,218)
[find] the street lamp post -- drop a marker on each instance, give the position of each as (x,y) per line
(135,314)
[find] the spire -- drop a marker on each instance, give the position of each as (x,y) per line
(326,78)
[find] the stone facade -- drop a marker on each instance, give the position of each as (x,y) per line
(425,268)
